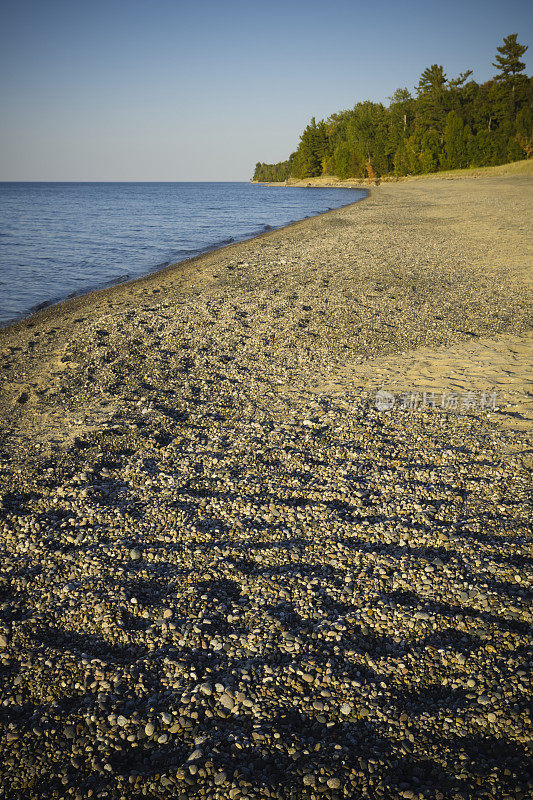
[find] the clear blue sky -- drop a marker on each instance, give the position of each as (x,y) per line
(201,90)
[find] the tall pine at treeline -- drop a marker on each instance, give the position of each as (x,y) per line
(448,124)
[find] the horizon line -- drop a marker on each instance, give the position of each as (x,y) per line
(29,180)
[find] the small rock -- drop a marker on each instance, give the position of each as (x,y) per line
(227,701)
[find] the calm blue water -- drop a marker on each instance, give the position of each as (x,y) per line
(60,239)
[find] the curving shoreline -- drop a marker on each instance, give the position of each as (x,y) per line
(157,270)
(225,572)
(55,292)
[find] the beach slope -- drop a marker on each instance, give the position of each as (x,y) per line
(227,571)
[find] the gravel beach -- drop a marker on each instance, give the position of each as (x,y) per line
(225,572)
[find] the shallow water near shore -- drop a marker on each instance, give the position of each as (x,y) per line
(62,239)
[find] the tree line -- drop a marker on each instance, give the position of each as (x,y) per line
(446,124)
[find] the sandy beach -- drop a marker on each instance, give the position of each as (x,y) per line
(227,572)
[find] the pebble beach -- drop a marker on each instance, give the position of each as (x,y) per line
(225,572)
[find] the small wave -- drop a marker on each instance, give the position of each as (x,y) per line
(120,279)
(39,306)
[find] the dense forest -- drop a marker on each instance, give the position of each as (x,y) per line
(446,124)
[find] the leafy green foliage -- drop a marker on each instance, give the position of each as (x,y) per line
(271,172)
(448,124)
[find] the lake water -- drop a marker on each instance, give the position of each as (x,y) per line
(62,239)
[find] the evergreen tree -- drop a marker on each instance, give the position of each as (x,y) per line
(433,79)
(460,80)
(272,172)
(431,106)
(455,142)
(430,153)
(401,113)
(508,60)
(481,150)
(310,152)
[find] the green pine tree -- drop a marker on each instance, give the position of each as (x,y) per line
(455,142)
(508,60)
(433,79)
(431,108)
